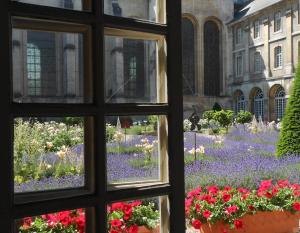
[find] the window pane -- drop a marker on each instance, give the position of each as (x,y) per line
(151,10)
(133,74)
(49,153)
(146,215)
(48,67)
(71,221)
(66,4)
(136,149)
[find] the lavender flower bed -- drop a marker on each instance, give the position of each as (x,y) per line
(242,159)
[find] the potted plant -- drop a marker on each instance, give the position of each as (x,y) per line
(271,208)
(133,217)
(64,222)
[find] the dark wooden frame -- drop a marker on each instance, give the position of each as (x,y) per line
(9,209)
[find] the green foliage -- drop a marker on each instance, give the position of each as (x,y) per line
(289,139)
(208,115)
(146,215)
(142,163)
(124,150)
(244,117)
(33,139)
(224,118)
(217,107)
(74,120)
(110,131)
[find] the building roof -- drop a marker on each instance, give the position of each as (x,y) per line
(253,7)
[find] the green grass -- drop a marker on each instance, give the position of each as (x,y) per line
(124,150)
(142,163)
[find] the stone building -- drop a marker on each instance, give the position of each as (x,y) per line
(265,37)
(238,53)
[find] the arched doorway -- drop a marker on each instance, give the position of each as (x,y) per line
(188,57)
(212,68)
(277,102)
(257,103)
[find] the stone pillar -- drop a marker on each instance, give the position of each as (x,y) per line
(246,60)
(288,51)
(266,50)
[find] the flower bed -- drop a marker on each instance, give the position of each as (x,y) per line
(214,205)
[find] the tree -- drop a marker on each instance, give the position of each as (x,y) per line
(243,117)
(224,118)
(289,138)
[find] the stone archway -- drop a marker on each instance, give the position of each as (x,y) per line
(277,102)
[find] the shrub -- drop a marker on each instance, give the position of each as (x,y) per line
(224,118)
(244,117)
(208,115)
(289,139)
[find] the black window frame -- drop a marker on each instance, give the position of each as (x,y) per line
(9,209)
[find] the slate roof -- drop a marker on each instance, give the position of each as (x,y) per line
(253,7)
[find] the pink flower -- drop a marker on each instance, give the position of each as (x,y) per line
(212,189)
(231,209)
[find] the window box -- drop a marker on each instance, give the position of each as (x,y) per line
(261,222)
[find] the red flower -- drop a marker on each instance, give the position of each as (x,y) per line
(196,224)
(226,197)
(296,206)
(197,207)
(231,209)
(283,183)
(268,195)
(206,214)
(243,190)
(194,192)
(238,224)
(265,185)
(251,207)
(116,223)
(117,206)
(27,222)
(227,188)
(212,189)
(133,229)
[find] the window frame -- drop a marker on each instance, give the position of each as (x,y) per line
(239,35)
(278,57)
(277,22)
(9,208)
(257,63)
(256,29)
(239,72)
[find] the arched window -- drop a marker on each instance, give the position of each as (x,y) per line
(240,102)
(188,57)
(278,57)
(280,103)
(259,104)
(257,62)
(211,59)
(33,70)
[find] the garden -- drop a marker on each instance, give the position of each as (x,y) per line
(235,166)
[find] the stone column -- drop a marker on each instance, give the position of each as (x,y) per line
(246,60)
(266,50)
(288,51)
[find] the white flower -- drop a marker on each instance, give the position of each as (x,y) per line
(201,150)
(49,145)
(118,136)
(61,154)
(192,151)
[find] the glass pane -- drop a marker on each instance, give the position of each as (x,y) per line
(146,215)
(241,136)
(151,10)
(49,153)
(69,221)
(48,67)
(136,148)
(132,72)
(78,5)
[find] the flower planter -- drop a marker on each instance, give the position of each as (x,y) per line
(143,229)
(261,222)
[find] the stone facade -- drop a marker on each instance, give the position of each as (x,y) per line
(255,73)
(270,77)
